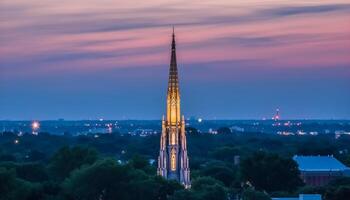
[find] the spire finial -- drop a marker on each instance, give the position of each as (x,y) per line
(173,41)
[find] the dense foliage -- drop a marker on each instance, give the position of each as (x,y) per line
(273,167)
(113,166)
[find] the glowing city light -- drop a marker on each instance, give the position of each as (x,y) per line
(35,125)
(200,120)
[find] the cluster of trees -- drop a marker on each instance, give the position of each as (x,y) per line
(79,173)
(118,167)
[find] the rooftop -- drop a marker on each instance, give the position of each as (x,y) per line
(319,163)
(302,197)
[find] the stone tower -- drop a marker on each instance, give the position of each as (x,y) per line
(173,160)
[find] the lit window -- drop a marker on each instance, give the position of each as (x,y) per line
(173,138)
(173,162)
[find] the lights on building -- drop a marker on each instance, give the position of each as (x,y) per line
(300,132)
(200,120)
(16,141)
(277,117)
(211,131)
(287,123)
(285,133)
(339,133)
(110,128)
(313,133)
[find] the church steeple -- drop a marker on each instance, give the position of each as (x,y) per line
(173,161)
(173,98)
(173,74)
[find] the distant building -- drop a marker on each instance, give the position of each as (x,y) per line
(144,132)
(320,170)
(301,197)
(236,129)
(277,117)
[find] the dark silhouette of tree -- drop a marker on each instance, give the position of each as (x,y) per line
(33,172)
(203,188)
(35,155)
(184,195)
(108,180)
(142,163)
(224,130)
(12,188)
(192,131)
(250,194)
(67,159)
(220,171)
(208,188)
(335,190)
(225,153)
(265,172)
(338,193)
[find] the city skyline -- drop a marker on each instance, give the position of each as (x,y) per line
(238,60)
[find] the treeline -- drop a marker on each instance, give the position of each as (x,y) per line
(224,166)
(41,147)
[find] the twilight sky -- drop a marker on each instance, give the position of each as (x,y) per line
(242,59)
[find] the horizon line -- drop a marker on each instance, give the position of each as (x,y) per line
(202,119)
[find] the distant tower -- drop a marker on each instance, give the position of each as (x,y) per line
(173,161)
(277,116)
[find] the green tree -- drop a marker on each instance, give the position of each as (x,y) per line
(250,194)
(338,189)
(338,193)
(7,157)
(225,153)
(265,171)
(33,172)
(219,171)
(192,131)
(108,180)
(12,188)
(35,155)
(203,188)
(184,195)
(224,130)
(67,159)
(142,163)
(207,188)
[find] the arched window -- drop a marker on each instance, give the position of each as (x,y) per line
(173,137)
(173,162)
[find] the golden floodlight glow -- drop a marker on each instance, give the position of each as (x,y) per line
(173,160)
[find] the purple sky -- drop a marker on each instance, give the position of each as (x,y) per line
(90,59)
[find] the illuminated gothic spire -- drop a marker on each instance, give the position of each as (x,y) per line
(173,98)
(173,162)
(173,74)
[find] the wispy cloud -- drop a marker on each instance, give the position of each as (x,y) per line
(300,10)
(105,55)
(115,34)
